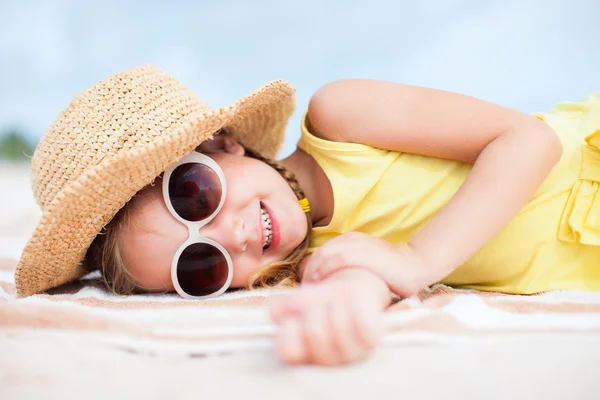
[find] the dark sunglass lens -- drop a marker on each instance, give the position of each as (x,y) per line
(202,269)
(195,191)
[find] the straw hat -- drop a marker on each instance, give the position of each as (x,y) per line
(115,138)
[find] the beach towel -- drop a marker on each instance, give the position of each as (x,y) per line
(80,341)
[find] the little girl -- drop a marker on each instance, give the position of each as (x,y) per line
(391,188)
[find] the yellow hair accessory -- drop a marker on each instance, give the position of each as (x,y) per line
(304,204)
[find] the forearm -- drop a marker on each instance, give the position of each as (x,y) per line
(505,176)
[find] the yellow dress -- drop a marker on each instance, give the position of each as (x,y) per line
(552,244)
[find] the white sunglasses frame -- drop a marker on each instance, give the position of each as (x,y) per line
(194,235)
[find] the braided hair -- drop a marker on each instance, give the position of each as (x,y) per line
(285,272)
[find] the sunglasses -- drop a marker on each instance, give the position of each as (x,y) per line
(194,191)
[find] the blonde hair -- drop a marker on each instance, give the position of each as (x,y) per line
(105,254)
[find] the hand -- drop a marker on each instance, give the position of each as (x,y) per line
(398,265)
(333,322)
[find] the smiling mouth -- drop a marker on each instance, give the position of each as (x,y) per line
(267,227)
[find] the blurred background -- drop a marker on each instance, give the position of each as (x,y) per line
(524,54)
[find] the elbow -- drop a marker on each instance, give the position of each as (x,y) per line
(545,140)
(326,109)
(328,97)
(551,144)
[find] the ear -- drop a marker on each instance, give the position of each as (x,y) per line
(220,142)
(232,146)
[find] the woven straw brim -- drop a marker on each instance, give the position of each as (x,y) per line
(70,222)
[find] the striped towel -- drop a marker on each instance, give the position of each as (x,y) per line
(82,342)
(239,321)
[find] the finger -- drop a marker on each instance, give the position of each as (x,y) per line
(284,308)
(332,256)
(289,344)
(317,336)
(343,334)
(335,259)
(311,266)
(321,255)
(290,304)
(368,324)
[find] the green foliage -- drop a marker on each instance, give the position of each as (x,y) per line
(14,146)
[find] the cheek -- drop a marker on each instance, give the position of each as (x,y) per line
(247,176)
(241,273)
(298,224)
(149,256)
(293,223)
(152,267)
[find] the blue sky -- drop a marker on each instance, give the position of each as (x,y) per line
(526,54)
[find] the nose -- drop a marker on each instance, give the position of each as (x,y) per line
(228,231)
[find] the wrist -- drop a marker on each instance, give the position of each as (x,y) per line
(431,270)
(360,280)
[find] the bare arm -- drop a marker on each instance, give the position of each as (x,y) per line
(512,154)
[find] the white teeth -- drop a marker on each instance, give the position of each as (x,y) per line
(266,218)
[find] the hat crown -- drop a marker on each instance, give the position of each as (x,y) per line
(127,110)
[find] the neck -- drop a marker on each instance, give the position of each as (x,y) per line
(306,170)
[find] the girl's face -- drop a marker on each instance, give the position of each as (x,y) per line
(152,235)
